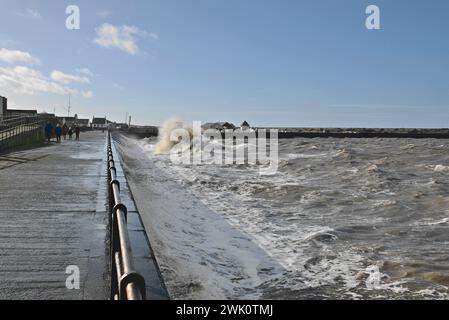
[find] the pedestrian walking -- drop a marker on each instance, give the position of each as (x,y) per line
(48,130)
(58,132)
(65,130)
(77,133)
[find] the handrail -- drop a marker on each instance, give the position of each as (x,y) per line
(10,118)
(17,131)
(9,127)
(126,283)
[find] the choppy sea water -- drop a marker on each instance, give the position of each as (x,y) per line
(342,219)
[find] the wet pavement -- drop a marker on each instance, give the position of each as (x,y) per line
(53,214)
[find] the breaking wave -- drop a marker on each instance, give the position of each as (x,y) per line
(166,143)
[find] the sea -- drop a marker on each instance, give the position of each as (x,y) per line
(341,219)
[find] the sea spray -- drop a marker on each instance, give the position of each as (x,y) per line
(186,146)
(166,143)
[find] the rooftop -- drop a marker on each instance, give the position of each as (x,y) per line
(99,120)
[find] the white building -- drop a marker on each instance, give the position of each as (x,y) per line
(99,123)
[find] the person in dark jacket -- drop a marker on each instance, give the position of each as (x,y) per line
(48,131)
(65,130)
(70,133)
(77,132)
(58,133)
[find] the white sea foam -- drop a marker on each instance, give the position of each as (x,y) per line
(442,221)
(441,168)
(292,156)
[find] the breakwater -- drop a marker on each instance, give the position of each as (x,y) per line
(139,132)
(285,133)
(416,133)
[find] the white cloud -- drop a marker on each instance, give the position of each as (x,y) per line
(13,56)
(88,94)
(121,37)
(64,78)
(30,13)
(24,80)
(86,71)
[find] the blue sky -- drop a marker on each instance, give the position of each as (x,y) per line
(278,63)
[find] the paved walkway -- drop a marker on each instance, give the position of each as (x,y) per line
(53,215)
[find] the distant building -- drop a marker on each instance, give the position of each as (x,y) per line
(99,123)
(47,115)
(21,113)
(116,125)
(83,123)
(5,112)
(245,126)
(218,126)
(69,121)
(74,121)
(3,106)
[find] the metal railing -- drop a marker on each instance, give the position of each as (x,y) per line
(17,130)
(126,283)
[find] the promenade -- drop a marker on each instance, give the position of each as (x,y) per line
(53,215)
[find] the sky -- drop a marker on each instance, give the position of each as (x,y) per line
(280,63)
